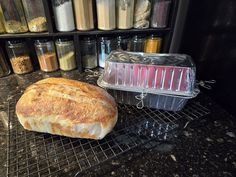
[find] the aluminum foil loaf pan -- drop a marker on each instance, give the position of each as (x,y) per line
(162,73)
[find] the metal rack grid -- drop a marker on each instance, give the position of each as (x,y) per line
(39,154)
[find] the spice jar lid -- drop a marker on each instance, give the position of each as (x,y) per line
(15,43)
(154,36)
(122,37)
(42,42)
(138,37)
(64,41)
(88,40)
(101,39)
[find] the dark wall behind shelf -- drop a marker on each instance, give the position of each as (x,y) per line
(210,38)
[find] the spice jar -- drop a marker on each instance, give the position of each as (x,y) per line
(89,53)
(63,13)
(160,13)
(125,13)
(13,16)
(137,44)
(106,14)
(2,29)
(152,44)
(46,55)
(142,11)
(4,68)
(105,46)
(35,15)
(66,54)
(19,57)
(123,43)
(84,14)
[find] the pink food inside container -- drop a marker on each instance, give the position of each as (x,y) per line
(168,75)
(159,76)
(183,85)
(151,76)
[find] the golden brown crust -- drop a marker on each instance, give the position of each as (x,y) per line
(68,102)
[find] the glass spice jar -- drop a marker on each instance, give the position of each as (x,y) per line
(46,55)
(105,46)
(106,14)
(160,13)
(64,17)
(35,15)
(152,44)
(2,29)
(19,57)
(13,16)
(89,53)
(123,43)
(137,44)
(4,68)
(125,14)
(84,14)
(66,54)
(142,11)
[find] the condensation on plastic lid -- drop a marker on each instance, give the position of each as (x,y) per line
(140,97)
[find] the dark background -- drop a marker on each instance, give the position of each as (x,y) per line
(210,38)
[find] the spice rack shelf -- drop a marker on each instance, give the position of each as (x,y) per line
(166,33)
(93,32)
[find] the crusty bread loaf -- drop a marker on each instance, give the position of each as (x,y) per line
(67,107)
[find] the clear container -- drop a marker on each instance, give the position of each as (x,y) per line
(172,74)
(35,15)
(106,14)
(125,13)
(66,54)
(4,68)
(89,53)
(46,55)
(2,28)
(19,57)
(160,13)
(156,101)
(13,16)
(63,13)
(105,46)
(142,11)
(123,43)
(137,44)
(152,44)
(84,14)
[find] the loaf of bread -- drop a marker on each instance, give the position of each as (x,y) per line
(67,107)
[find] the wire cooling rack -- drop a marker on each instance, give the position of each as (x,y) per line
(39,154)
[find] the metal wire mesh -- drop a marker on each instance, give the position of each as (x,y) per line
(39,154)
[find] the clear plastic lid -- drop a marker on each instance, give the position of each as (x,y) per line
(168,74)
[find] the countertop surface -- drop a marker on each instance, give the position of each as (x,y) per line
(203,147)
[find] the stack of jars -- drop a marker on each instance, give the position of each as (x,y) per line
(111,14)
(50,58)
(138,43)
(21,16)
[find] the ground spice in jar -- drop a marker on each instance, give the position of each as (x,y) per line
(67,62)
(48,62)
(89,61)
(21,64)
(38,24)
(152,45)
(141,13)
(13,26)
